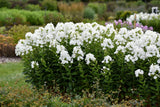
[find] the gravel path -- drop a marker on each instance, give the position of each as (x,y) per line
(6,59)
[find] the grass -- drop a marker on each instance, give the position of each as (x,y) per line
(11,74)
(14,92)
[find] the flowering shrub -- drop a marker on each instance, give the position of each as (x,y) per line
(75,56)
(147,19)
(143,16)
(119,24)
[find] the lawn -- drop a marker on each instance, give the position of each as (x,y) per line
(11,74)
(14,91)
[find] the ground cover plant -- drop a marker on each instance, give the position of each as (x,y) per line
(74,57)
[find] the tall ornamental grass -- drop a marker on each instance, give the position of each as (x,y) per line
(75,56)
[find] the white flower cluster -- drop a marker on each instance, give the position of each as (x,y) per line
(77,34)
(34,63)
(139,71)
(89,57)
(143,16)
(138,45)
(107,59)
(135,43)
(77,52)
(155,71)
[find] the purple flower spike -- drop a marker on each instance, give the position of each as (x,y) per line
(122,24)
(116,22)
(151,28)
(120,21)
(137,25)
(106,23)
(130,23)
(141,26)
(145,28)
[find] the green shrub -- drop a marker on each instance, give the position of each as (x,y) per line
(2,30)
(99,8)
(154,23)
(155,2)
(123,15)
(33,1)
(121,3)
(74,57)
(5,18)
(5,3)
(140,2)
(94,6)
(49,4)
(32,7)
(10,17)
(18,32)
(111,6)
(18,19)
(77,19)
(53,17)
(34,18)
(89,13)
(18,4)
(106,16)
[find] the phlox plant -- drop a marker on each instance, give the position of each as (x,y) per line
(76,56)
(129,25)
(146,19)
(143,16)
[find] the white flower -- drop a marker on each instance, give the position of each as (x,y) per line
(107,43)
(89,57)
(104,68)
(23,48)
(158,61)
(152,50)
(154,69)
(143,16)
(34,63)
(155,77)
(128,58)
(134,44)
(123,31)
(60,48)
(120,48)
(139,71)
(107,59)
(65,57)
(77,52)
